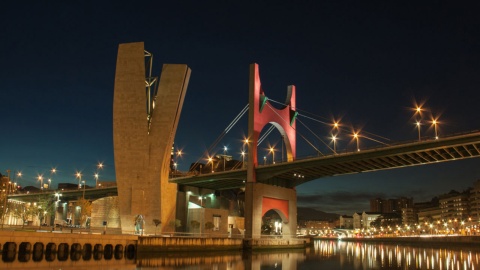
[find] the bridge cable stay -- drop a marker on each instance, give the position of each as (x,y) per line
(224,132)
(265,134)
(301,135)
(329,124)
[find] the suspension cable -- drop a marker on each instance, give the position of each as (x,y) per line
(328,124)
(224,132)
(264,136)
(301,135)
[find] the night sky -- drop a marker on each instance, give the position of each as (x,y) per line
(366,63)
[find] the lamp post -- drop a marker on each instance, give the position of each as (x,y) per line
(224,156)
(243,159)
(18,175)
(272,150)
(40,178)
(264,160)
(83,183)
(52,172)
(418,127)
(435,122)
(79,176)
(210,160)
(244,151)
(334,139)
(355,136)
(96,179)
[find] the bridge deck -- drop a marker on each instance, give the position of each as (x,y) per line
(291,174)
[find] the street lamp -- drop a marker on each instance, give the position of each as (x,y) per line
(272,150)
(224,156)
(52,172)
(96,179)
(264,160)
(40,178)
(79,176)
(83,183)
(243,159)
(434,123)
(18,175)
(210,160)
(418,127)
(355,136)
(334,139)
(244,152)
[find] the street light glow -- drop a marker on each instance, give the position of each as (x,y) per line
(272,150)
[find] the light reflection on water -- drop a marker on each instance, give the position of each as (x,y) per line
(358,255)
(326,255)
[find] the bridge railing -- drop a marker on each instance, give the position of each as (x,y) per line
(341,152)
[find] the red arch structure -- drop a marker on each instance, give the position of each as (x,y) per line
(259,197)
(261,113)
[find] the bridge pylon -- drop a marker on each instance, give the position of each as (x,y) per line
(145,119)
(259,198)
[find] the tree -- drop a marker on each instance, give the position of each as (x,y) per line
(209,225)
(156,222)
(45,206)
(194,225)
(85,209)
(22,211)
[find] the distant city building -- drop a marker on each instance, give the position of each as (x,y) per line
(475,202)
(381,205)
(455,205)
(357,220)
(369,217)
(428,215)
(409,215)
(346,222)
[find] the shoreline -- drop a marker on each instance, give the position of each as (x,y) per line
(455,240)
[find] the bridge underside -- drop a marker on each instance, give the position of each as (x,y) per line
(295,173)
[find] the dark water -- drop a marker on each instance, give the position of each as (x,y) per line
(322,255)
(326,255)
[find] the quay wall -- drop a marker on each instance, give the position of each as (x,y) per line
(153,244)
(44,249)
(68,238)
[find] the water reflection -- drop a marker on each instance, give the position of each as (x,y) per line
(355,255)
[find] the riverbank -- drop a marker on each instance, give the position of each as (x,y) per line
(453,240)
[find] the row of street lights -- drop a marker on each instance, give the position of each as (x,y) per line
(53,171)
(418,122)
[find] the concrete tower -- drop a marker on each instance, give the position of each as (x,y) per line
(146,111)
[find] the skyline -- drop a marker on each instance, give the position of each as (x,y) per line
(366,63)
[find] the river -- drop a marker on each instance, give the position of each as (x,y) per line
(324,254)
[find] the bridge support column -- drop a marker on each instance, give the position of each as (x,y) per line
(258,195)
(144,127)
(262,198)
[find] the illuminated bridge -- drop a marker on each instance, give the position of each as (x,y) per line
(291,174)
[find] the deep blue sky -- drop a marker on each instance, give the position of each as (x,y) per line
(365,62)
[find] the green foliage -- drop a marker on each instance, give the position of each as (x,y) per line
(85,209)
(194,224)
(209,225)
